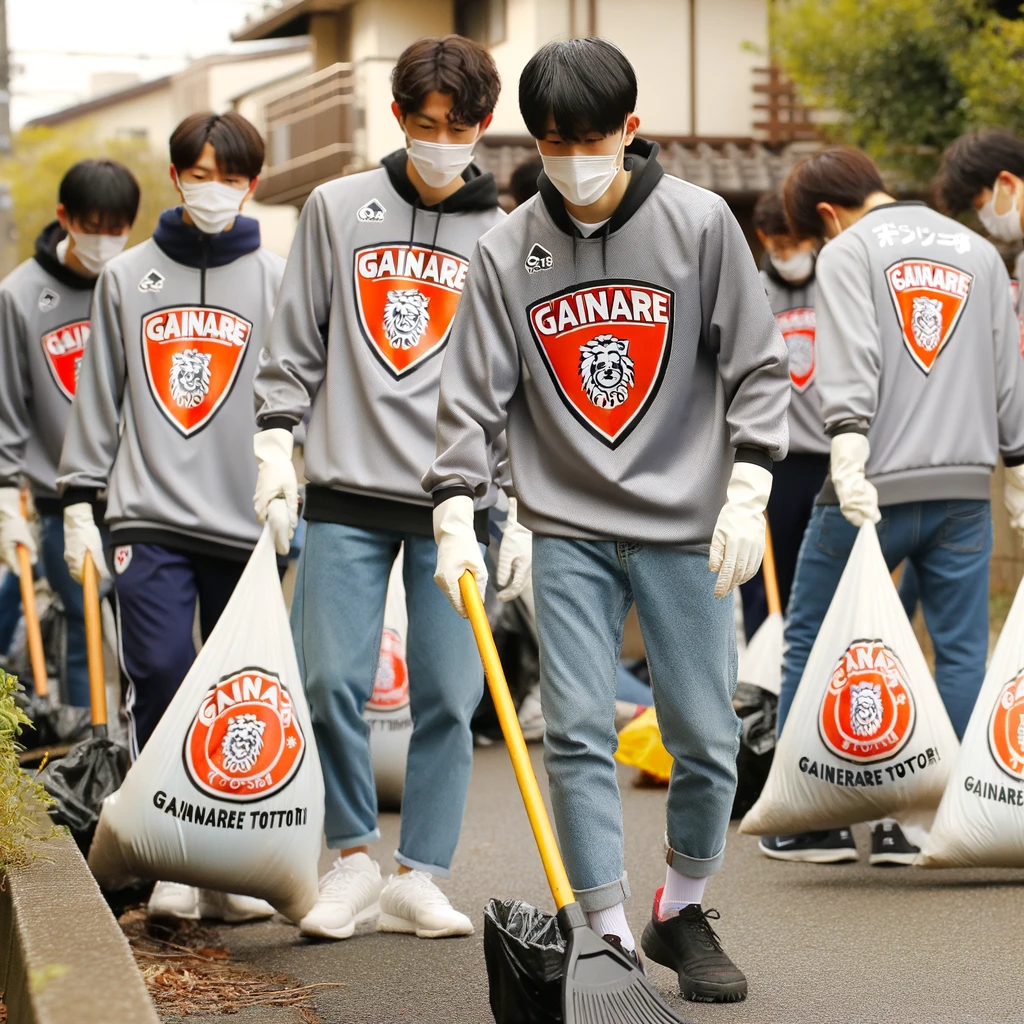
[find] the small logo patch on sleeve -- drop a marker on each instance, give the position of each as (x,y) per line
(372,212)
(153,281)
(48,300)
(539,259)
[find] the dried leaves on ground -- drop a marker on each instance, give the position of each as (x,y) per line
(187,971)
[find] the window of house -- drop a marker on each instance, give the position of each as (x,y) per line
(481,20)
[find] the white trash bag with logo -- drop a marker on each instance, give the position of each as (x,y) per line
(980,822)
(227,794)
(867,736)
(388,712)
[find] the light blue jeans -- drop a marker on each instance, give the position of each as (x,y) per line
(337,620)
(583,590)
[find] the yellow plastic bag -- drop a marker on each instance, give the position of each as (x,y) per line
(640,746)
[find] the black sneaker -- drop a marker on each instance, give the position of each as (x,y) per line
(688,945)
(616,943)
(889,846)
(832,847)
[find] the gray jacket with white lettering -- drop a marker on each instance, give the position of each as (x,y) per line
(177,326)
(630,367)
(44,326)
(919,348)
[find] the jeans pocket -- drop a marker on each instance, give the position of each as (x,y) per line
(834,533)
(966,527)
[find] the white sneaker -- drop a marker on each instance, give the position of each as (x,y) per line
(172,899)
(232,908)
(411,903)
(348,896)
(531,718)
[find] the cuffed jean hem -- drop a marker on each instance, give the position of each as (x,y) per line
(695,867)
(347,842)
(601,897)
(418,865)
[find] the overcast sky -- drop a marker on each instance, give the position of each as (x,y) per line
(56,45)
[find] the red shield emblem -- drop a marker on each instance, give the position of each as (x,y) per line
(64,347)
(391,687)
(1006,728)
(245,742)
(929,298)
(192,355)
(797,327)
(406,297)
(868,711)
(606,346)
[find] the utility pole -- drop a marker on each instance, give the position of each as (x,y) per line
(8,238)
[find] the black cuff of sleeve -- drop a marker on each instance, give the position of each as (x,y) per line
(848,427)
(78,495)
(277,423)
(758,456)
(13,482)
(450,492)
(1012,461)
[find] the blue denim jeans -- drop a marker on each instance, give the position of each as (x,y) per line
(337,620)
(947,544)
(583,590)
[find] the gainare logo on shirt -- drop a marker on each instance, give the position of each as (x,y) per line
(1006,728)
(406,298)
(929,298)
(606,345)
(797,327)
(192,355)
(244,743)
(867,713)
(64,347)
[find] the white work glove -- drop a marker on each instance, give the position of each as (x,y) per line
(857,496)
(282,527)
(457,549)
(1013,495)
(81,535)
(737,545)
(515,556)
(276,479)
(14,530)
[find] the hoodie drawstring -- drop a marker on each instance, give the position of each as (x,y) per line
(437,225)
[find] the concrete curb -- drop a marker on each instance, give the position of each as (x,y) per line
(63,958)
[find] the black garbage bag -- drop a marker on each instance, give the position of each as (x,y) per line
(52,724)
(81,781)
(525,954)
(520,660)
(757,709)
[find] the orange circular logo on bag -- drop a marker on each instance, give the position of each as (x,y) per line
(1006,730)
(391,687)
(245,742)
(868,712)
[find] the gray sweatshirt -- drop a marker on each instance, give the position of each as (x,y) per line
(629,368)
(919,348)
(793,306)
(44,327)
(372,283)
(177,326)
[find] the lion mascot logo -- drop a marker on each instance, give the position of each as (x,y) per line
(242,744)
(606,370)
(405,317)
(865,708)
(926,322)
(190,377)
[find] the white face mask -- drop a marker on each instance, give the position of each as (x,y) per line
(212,205)
(1002,226)
(582,180)
(797,268)
(439,163)
(94,252)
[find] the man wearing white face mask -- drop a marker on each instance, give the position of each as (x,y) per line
(372,284)
(44,328)
(177,327)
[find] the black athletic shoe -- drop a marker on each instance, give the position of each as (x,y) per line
(688,945)
(616,943)
(831,847)
(889,846)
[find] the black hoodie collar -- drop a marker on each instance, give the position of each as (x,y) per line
(641,160)
(185,243)
(480,192)
(46,256)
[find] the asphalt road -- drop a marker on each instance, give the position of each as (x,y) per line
(847,944)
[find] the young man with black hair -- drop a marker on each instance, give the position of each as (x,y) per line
(44,328)
(922,387)
(373,279)
(616,325)
(178,323)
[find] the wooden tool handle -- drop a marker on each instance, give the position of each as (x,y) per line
(771,582)
(543,833)
(33,633)
(94,646)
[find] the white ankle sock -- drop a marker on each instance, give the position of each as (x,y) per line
(679,892)
(613,922)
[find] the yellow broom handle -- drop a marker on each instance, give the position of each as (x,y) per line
(771,582)
(33,633)
(544,835)
(94,643)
